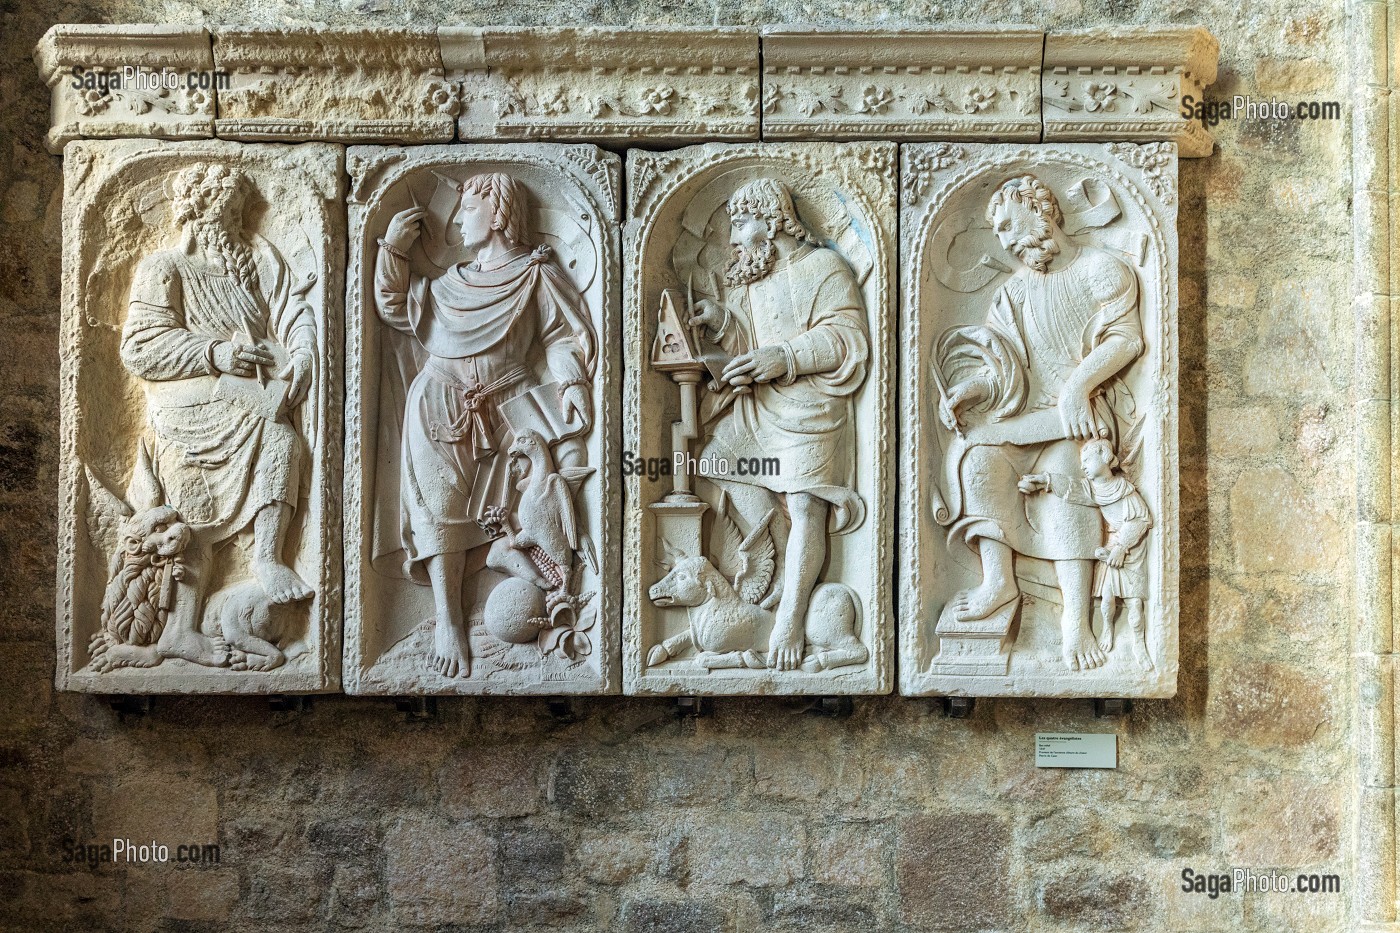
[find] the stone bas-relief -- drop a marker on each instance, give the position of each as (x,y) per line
(1039,377)
(601,84)
(482,309)
(758,339)
(94,96)
(201,296)
(906,83)
(332,84)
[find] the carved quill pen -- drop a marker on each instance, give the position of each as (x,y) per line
(937,372)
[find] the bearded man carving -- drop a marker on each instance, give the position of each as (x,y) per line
(795,324)
(1060,328)
(221,303)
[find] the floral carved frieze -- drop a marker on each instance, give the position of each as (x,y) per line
(331,84)
(1097,86)
(656,85)
(663,84)
(902,84)
(101,79)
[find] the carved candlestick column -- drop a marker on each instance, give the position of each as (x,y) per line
(678,514)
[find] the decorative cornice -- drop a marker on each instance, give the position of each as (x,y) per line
(645,86)
(671,85)
(1128,86)
(908,84)
(92,97)
(339,85)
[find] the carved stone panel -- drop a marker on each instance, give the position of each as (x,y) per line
(112,81)
(1130,85)
(201,418)
(346,85)
(758,419)
(481,504)
(901,83)
(600,84)
(1038,523)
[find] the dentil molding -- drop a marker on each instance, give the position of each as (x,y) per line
(657,85)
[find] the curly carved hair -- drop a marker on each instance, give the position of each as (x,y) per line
(202,187)
(1031,193)
(1104,450)
(509,201)
(770,200)
(201,195)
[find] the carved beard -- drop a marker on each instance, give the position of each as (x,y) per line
(213,235)
(750,265)
(1037,249)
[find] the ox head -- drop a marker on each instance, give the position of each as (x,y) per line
(689,581)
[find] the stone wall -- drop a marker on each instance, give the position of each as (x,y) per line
(497,816)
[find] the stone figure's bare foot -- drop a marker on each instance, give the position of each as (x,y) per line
(1140,655)
(1106,636)
(117,655)
(192,646)
(450,657)
(248,661)
(1080,651)
(981,601)
(281,582)
(785,647)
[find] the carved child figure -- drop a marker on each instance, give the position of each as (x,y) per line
(1123,574)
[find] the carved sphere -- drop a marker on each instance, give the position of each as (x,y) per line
(515,611)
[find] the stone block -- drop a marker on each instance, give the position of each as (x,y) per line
(952,872)
(1267,705)
(1128,84)
(851,855)
(761,564)
(1283,821)
(1090,901)
(199,531)
(901,84)
(439,872)
(482,491)
(201,895)
(689,916)
(651,85)
(344,85)
(1006,251)
(1268,508)
(94,94)
(747,848)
